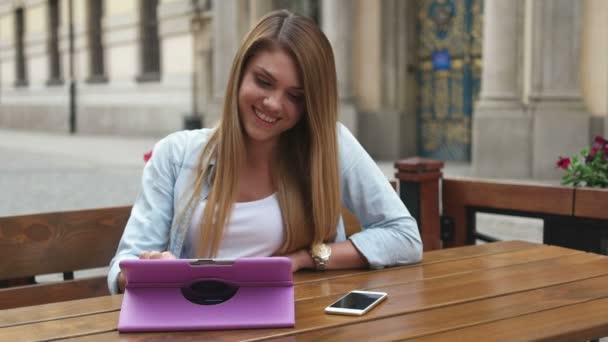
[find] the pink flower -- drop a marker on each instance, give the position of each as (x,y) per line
(147,156)
(600,140)
(563,163)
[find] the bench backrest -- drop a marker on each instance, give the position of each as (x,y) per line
(56,243)
(461,198)
(60,242)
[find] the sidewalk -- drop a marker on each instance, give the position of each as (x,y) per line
(43,172)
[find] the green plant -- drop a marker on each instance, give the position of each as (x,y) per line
(589,167)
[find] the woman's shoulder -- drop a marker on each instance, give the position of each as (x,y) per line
(347,143)
(184,147)
(351,153)
(188,137)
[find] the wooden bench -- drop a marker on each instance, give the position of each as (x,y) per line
(573,217)
(63,242)
(59,242)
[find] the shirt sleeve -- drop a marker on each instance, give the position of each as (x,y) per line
(148,226)
(389,234)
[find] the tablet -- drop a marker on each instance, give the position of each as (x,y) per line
(205,294)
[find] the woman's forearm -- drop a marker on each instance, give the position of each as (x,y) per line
(344,255)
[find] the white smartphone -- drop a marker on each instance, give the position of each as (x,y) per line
(356,303)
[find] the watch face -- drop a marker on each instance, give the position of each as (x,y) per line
(321,251)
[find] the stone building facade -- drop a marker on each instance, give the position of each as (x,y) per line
(148,67)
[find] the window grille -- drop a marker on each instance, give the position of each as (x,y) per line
(20,67)
(97,72)
(149,42)
(54,57)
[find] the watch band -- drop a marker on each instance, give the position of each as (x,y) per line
(320,254)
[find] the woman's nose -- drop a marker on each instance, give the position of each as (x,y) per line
(272,102)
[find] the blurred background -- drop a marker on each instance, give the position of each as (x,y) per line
(496,88)
(506,85)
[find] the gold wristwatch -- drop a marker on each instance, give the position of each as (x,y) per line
(320,254)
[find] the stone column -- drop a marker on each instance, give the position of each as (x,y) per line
(561,123)
(385,80)
(594,64)
(501,128)
(202,68)
(337,21)
(228,28)
(258,9)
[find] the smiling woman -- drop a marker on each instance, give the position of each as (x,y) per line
(270,97)
(272,177)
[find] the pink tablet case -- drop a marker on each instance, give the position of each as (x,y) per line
(153,299)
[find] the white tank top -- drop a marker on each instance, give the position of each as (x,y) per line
(255,229)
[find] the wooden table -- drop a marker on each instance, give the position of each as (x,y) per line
(505,291)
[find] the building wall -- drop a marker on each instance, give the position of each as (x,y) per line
(594,65)
(122,105)
(367,56)
(382,93)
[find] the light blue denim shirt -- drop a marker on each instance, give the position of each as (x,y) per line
(389,233)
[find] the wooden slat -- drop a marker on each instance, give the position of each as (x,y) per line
(592,203)
(442,255)
(490,253)
(403,298)
(14,297)
(69,327)
(515,196)
(417,324)
(59,311)
(448,254)
(426,272)
(59,242)
(458,194)
(579,322)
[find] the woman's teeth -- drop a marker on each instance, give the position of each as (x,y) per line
(264,117)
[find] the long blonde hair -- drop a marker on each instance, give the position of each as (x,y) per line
(306,170)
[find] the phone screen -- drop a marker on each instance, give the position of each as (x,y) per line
(356,300)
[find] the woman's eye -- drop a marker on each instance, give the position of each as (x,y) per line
(263,82)
(297,98)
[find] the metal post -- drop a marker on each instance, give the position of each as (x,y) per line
(72,76)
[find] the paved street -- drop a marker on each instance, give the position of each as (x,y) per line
(43,172)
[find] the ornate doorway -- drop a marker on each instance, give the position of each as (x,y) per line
(449,72)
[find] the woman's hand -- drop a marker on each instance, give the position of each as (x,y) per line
(300,259)
(156,255)
(122,280)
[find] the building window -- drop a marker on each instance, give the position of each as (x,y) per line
(97,71)
(20,68)
(149,42)
(53,44)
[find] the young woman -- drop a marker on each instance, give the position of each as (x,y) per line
(272,177)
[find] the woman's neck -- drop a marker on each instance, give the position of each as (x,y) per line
(260,155)
(255,178)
